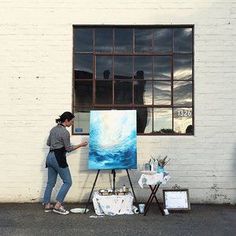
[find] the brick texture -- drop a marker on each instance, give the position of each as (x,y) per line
(36,86)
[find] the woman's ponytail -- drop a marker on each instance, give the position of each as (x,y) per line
(65,116)
(58,120)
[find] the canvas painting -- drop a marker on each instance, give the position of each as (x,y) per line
(113,140)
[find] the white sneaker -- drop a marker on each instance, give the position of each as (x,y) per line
(61,211)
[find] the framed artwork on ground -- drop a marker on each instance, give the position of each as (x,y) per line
(176,199)
(112,140)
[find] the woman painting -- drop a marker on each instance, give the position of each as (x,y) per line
(59,143)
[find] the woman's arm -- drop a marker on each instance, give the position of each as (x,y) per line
(67,144)
(74,147)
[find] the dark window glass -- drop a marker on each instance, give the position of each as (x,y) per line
(123,67)
(143,67)
(123,92)
(83,40)
(83,92)
(147,69)
(163,120)
(103,67)
(162,68)
(183,121)
(144,121)
(123,40)
(103,40)
(103,92)
(162,40)
(143,92)
(143,40)
(183,67)
(83,66)
(182,93)
(162,93)
(183,40)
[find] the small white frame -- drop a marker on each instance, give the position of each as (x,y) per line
(176,199)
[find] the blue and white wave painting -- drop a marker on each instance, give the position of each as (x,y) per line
(113,140)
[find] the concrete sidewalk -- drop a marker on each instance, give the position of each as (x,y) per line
(30,219)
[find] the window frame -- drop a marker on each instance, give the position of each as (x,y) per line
(134,54)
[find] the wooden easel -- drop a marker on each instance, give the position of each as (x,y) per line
(113,171)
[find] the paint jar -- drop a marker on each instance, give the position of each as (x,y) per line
(147,167)
(160,169)
(141,208)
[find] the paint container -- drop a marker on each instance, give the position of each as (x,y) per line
(166,212)
(141,208)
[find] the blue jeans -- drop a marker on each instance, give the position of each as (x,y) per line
(53,171)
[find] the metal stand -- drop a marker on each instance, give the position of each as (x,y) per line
(113,186)
(150,199)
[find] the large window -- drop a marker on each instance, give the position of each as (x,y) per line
(146,68)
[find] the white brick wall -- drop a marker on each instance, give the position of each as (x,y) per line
(36,57)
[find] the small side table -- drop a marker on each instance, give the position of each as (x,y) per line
(153,180)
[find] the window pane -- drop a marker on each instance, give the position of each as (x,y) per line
(143,40)
(103,67)
(104,92)
(123,40)
(83,92)
(183,121)
(123,67)
(103,40)
(143,67)
(183,40)
(182,67)
(182,93)
(142,119)
(123,92)
(162,68)
(81,121)
(162,93)
(163,40)
(143,92)
(163,120)
(83,40)
(83,66)
(149,69)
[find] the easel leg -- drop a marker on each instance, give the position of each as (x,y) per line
(91,192)
(135,199)
(114,180)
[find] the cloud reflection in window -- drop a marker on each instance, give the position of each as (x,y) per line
(162,68)
(162,93)
(162,40)
(143,40)
(183,40)
(182,93)
(183,67)
(162,119)
(183,120)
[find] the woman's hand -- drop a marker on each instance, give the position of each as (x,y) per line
(84,144)
(74,147)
